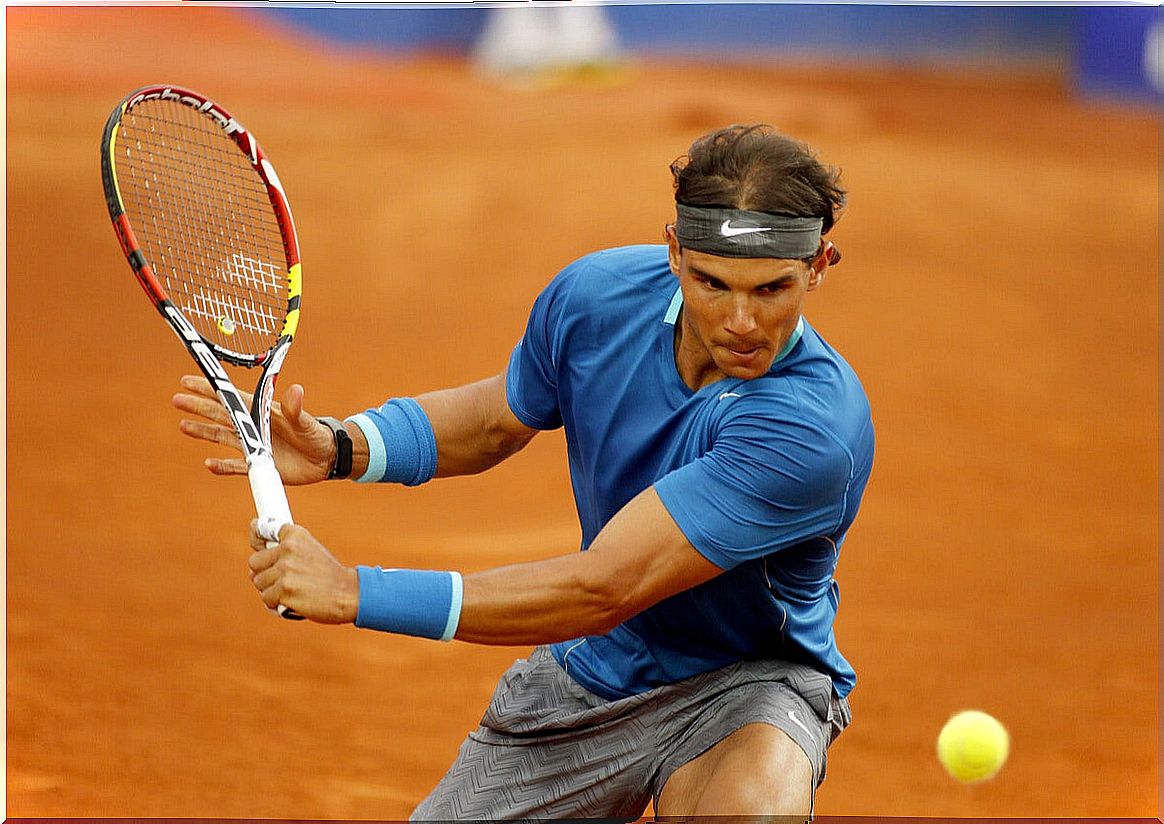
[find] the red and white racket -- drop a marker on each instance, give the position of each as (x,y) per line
(206,227)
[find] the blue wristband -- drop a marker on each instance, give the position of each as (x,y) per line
(409,602)
(401,444)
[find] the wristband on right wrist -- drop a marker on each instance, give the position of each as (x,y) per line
(422,603)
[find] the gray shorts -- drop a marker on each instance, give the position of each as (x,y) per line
(548,748)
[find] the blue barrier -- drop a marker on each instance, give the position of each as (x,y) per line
(1114,49)
(1121,54)
(722,29)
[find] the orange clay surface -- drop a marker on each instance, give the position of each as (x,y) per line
(998,297)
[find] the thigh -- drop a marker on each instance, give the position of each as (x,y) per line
(547,748)
(756,771)
(794,702)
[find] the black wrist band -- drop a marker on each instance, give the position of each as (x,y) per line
(342,467)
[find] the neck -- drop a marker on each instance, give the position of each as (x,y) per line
(694,364)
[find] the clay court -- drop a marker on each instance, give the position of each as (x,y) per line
(998,296)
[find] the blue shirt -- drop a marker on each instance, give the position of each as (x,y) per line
(763,476)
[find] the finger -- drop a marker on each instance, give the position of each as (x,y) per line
(215,433)
(226,466)
(254,537)
(262,559)
(208,408)
(271,596)
(266,579)
(200,386)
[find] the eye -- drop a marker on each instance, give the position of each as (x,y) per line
(713,283)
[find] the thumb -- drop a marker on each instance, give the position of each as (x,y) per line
(293,408)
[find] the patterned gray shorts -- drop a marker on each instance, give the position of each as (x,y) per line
(548,748)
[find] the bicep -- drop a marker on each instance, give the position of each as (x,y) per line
(638,559)
(642,557)
(473,426)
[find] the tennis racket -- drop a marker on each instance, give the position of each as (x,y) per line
(202,218)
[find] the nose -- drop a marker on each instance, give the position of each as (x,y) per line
(741,320)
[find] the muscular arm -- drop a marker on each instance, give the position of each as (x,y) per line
(639,558)
(473,425)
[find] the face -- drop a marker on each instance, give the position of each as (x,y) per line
(737,312)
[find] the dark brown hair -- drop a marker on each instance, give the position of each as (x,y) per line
(757,168)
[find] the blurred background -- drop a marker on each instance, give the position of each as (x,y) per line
(1101,50)
(998,297)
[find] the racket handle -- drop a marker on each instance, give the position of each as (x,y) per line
(273,510)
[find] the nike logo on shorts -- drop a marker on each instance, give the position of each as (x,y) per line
(796,720)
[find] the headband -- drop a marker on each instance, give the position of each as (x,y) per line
(743,234)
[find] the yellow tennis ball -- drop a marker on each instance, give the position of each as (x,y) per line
(973,746)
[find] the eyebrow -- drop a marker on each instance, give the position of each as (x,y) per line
(780,281)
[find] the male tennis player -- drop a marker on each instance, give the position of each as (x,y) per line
(718,450)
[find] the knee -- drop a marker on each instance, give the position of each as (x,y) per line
(765,793)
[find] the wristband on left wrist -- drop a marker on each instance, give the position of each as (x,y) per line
(342,466)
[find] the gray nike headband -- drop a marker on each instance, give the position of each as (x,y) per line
(743,234)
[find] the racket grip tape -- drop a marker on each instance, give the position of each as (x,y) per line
(272,508)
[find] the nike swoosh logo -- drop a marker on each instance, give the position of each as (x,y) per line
(730,395)
(727,230)
(796,720)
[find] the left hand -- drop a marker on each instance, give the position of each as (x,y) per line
(303,576)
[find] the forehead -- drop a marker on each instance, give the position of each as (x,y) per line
(741,272)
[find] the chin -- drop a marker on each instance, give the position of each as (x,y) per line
(746,373)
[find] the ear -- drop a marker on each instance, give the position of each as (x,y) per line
(820,265)
(674,252)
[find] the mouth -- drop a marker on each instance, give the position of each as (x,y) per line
(742,353)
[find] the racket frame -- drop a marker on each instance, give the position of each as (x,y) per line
(253,424)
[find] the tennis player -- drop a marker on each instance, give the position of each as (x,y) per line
(718,448)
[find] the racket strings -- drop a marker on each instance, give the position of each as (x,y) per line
(205,223)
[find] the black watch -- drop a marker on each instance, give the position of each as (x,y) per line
(342,467)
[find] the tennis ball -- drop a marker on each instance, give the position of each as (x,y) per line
(973,746)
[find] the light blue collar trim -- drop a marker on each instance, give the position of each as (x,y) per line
(793,339)
(673,309)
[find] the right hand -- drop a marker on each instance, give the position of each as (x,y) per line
(304,449)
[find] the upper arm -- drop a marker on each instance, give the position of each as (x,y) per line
(642,557)
(638,559)
(532,376)
(473,426)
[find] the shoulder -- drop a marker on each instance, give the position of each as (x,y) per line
(614,270)
(813,408)
(818,383)
(613,283)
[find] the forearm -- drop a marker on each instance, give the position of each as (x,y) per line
(474,432)
(460,431)
(541,602)
(639,559)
